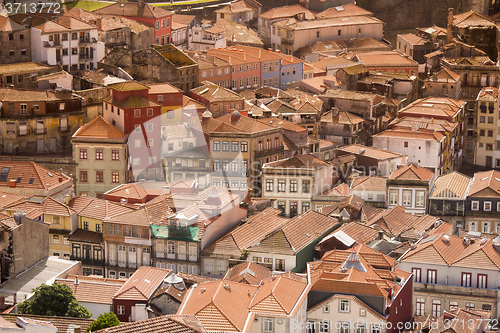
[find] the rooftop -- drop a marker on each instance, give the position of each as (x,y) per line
(99,129)
(485,183)
(93,291)
(162,324)
(142,284)
(371,152)
(134,9)
(307,161)
(31,175)
(343,11)
(412,172)
(452,186)
(23,67)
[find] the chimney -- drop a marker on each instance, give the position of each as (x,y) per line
(12,183)
(76,281)
(76,329)
(98,24)
(19,215)
(141,4)
(449,27)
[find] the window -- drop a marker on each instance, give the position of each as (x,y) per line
(216,145)
(99,176)
(234,166)
(83,176)
(85,225)
(150,142)
(420,310)
(115,154)
(482,281)
(98,227)
(216,165)
(244,146)
(417,274)
(344,328)
(466,279)
(267,325)
(436,308)
(487,206)
(474,205)
(83,154)
(344,306)
(137,144)
(269,185)
(98,154)
(225,146)
(115,176)
(280,264)
(420,199)
(306,206)
(281,185)
(293,185)
(306,186)
(453,305)
(120,309)
(431,276)
(406,198)
(470,306)
(74,50)
(225,165)
(137,112)
(234,146)
(393,197)
(55,239)
(257,259)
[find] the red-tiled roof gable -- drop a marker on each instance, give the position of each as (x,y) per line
(142,284)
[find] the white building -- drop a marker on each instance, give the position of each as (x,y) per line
(454,272)
(203,38)
(421,147)
(291,34)
(293,182)
(370,188)
(67,42)
(410,186)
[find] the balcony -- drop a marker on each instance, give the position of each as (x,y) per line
(132,264)
(89,261)
(270,151)
(85,40)
(171,256)
(455,290)
(122,263)
(160,254)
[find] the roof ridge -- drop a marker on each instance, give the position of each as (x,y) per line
(218,308)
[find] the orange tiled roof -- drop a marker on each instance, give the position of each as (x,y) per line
(97,208)
(162,324)
(99,128)
(483,182)
(452,185)
(360,232)
(92,291)
(142,284)
(248,272)
(31,175)
(412,172)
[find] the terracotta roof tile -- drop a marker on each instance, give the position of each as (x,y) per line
(142,284)
(31,175)
(62,324)
(97,208)
(307,161)
(286,11)
(99,128)
(360,232)
(372,152)
(248,272)
(485,180)
(369,183)
(92,291)
(412,172)
(452,185)
(134,10)
(162,324)
(343,11)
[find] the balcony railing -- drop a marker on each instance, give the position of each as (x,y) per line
(160,254)
(132,265)
(88,261)
(171,256)
(270,151)
(122,263)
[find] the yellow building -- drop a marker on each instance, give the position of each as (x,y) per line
(86,241)
(486,133)
(62,220)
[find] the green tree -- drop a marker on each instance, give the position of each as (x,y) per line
(108,319)
(53,300)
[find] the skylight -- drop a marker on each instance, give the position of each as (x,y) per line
(4,174)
